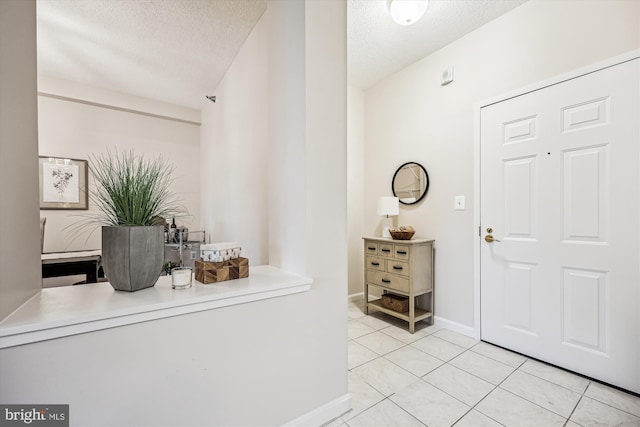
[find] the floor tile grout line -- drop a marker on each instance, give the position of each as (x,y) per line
(474,375)
(488,394)
(493,358)
(534,403)
(377,403)
(449,394)
(524,398)
(388,352)
(412,416)
(393,363)
(368,407)
(472,409)
(451,342)
(611,406)
(576,407)
(488,357)
(549,381)
(552,383)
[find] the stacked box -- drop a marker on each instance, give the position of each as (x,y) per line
(395,302)
(216,252)
(213,272)
(238,268)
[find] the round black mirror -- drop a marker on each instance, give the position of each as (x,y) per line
(410,183)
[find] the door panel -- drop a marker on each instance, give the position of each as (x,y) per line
(517,302)
(560,194)
(520,180)
(584,309)
(585,194)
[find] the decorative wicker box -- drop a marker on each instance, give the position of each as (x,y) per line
(213,272)
(395,302)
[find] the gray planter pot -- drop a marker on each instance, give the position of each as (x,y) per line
(132,257)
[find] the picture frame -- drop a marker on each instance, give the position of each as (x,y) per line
(63,183)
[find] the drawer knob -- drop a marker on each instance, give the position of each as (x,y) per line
(371,249)
(397,267)
(386,281)
(375,263)
(401,252)
(386,250)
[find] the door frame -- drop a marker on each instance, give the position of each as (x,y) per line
(619,59)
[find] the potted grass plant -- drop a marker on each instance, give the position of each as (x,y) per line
(131,198)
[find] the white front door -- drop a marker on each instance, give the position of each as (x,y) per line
(560,189)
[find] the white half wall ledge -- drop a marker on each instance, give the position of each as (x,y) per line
(71,310)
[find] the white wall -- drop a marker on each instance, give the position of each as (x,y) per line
(19,231)
(325,168)
(234,147)
(76,129)
(278,129)
(287,152)
(409,117)
(355,187)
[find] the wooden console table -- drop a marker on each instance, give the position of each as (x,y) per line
(404,268)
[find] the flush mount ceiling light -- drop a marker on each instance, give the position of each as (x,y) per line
(407,12)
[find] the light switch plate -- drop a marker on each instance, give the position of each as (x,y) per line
(459,203)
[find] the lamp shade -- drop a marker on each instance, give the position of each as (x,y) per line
(388,206)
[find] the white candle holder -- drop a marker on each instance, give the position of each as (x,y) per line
(181,277)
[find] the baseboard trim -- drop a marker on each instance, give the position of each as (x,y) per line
(440,321)
(360,296)
(355,297)
(323,414)
(456,327)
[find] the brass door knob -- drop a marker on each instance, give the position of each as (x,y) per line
(489,238)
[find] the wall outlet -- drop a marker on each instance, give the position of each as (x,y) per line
(459,203)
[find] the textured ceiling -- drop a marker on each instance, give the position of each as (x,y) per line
(378,47)
(177,51)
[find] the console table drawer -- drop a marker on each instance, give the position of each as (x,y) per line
(371,248)
(398,267)
(375,263)
(386,280)
(385,249)
(401,252)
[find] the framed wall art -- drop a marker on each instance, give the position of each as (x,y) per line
(63,183)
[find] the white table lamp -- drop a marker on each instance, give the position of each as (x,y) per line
(387,207)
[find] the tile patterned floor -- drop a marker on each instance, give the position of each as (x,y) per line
(439,378)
